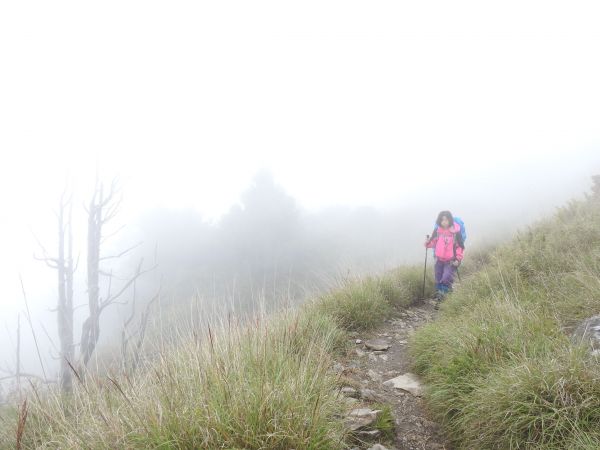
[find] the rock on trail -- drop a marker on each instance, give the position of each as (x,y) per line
(377,372)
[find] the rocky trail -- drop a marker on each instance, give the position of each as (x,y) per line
(376,373)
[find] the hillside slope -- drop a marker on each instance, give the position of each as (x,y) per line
(267,383)
(501,368)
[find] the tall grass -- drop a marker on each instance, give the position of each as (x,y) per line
(500,368)
(267,384)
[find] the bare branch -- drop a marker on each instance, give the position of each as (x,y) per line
(123,253)
(138,274)
(28,375)
(109,235)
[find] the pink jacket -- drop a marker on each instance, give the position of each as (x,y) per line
(447,243)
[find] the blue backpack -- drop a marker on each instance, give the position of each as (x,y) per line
(463,230)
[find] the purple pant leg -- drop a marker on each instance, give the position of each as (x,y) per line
(448,274)
(439,271)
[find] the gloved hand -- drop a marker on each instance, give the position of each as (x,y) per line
(456,263)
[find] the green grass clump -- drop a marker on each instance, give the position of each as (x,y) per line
(384,422)
(500,368)
(551,399)
(404,286)
(362,304)
(358,305)
(265,386)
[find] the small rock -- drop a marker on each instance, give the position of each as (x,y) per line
(378,447)
(384,357)
(369,395)
(377,344)
(369,434)
(359,352)
(349,391)
(359,412)
(358,341)
(360,418)
(407,382)
(372,357)
(588,333)
(374,375)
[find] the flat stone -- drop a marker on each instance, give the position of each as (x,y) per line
(377,344)
(361,412)
(407,382)
(358,341)
(361,418)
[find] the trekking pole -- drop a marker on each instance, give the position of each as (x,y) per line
(425,268)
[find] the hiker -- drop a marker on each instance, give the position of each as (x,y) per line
(448,244)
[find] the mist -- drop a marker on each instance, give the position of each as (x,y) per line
(259,160)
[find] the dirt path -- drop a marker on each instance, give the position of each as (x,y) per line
(367,369)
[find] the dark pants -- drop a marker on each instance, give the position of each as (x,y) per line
(444,275)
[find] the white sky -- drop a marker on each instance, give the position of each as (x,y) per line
(345,102)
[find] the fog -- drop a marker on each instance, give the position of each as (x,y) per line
(263,150)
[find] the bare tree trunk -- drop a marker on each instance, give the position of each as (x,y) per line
(63,263)
(90,332)
(65,295)
(101,210)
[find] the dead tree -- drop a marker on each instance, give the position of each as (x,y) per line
(63,264)
(103,207)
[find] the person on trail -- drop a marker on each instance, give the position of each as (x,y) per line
(448,245)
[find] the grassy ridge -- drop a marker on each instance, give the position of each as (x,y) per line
(501,370)
(262,385)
